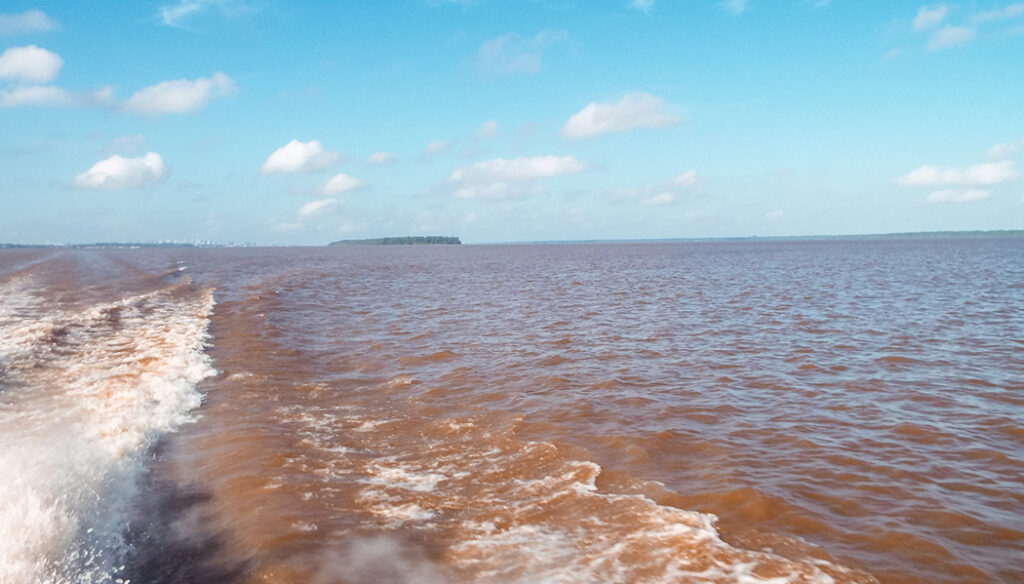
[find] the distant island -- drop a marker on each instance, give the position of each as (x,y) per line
(407,240)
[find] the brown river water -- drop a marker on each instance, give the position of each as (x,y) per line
(772,411)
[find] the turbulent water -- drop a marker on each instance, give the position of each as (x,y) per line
(844,411)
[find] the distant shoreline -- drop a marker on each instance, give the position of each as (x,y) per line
(388,241)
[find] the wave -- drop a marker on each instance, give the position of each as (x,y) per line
(85,391)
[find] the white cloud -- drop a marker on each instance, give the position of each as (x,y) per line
(1006,149)
(687,179)
(950,36)
(487,130)
(287,226)
(662,198)
(30,63)
(341,183)
(168,97)
(668,192)
(319,207)
(516,170)
(774,215)
(501,178)
(642,5)
(50,96)
(735,6)
(957,196)
(511,53)
(175,14)
(497,191)
(929,16)
(179,96)
(381,158)
(26,22)
(1006,13)
(436,147)
(635,110)
(298,156)
(118,172)
(986,173)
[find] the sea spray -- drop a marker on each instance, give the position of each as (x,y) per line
(86,392)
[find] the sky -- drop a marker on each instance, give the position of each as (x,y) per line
(278,122)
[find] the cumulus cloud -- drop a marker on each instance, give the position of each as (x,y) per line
(318,207)
(118,172)
(502,178)
(30,63)
(487,130)
(984,174)
(176,14)
(341,183)
(635,110)
(511,53)
(957,196)
(735,6)
(179,96)
(929,16)
(378,158)
(436,147)
(950,36)
(298,156)
(26,22)
(50,96)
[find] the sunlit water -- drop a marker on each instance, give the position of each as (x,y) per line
(845,411)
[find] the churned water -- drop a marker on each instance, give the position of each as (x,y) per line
(807,411)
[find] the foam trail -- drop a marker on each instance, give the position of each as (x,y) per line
(84,393)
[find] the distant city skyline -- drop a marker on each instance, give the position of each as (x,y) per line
(496,121)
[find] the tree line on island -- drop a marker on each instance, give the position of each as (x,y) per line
(406,240)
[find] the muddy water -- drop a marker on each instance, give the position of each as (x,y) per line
(721,412)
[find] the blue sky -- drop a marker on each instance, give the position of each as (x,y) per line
(277,122)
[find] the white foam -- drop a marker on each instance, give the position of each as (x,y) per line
(88,392)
